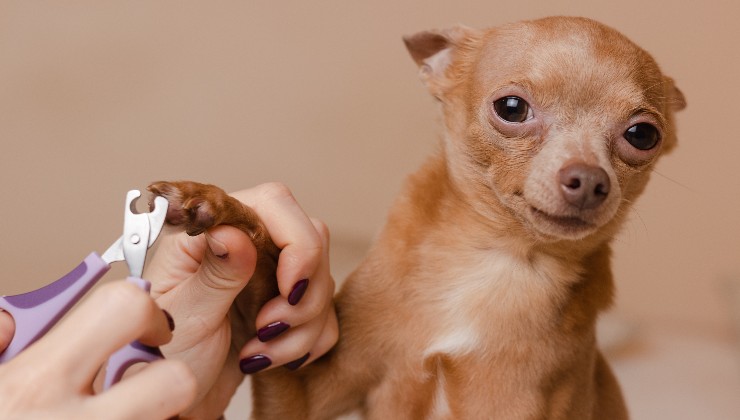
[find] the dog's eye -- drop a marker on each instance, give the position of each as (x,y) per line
(512,109)
(642,136)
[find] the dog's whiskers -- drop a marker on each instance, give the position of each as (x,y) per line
(680,184)
(627,209)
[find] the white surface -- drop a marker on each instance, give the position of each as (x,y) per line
(678,374)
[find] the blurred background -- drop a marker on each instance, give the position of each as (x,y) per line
(97,98)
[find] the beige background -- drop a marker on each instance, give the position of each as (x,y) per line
(100,97)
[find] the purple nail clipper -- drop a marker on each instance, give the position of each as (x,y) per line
(37,311)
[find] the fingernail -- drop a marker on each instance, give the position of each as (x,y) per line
(299,289)
(217,247)
(271,331)
(254,364)
(170,320)
(295,364)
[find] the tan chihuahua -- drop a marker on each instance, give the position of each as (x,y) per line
(480,297)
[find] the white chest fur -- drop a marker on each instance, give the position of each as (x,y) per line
(469,296)
(480,303)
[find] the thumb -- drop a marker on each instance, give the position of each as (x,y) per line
(227,261)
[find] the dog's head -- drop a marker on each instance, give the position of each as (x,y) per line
(555,124)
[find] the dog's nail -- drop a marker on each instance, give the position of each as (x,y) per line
(271,331)
(295,364)
(217,247)
(170,320)
(254,364)
(299,289)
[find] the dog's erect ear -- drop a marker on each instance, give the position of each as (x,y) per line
(676,100)
(432,51)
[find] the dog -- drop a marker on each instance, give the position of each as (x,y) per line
(480,296)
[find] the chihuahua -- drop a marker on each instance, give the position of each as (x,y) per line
(480,297)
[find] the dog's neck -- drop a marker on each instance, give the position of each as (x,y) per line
(435,214)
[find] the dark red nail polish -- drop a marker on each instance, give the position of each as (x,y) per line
(295,364)
(299,289)
(271,331)
(254,364)
(170,320)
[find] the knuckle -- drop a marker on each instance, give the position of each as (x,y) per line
(322,229)
(125,297)
(317,307)
(220,278)
(330,334)
(313,252)
(275,190)
(122,294)
(313,308)
(184,375)
(303,258)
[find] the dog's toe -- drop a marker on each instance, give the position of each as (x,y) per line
(200,215)
(191,204)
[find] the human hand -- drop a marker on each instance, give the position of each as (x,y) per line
(198,287)
(7,329)
(53,378)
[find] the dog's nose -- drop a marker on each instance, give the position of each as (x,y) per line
(584,186)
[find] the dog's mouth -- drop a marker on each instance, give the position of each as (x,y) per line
(566,225)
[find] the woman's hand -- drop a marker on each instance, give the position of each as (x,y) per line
(7,329)
(197,278)
(54,377)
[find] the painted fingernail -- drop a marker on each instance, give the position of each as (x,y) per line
(217,247)
(299,289)
(170,320)
(254,364)
(295,364)
(271,331)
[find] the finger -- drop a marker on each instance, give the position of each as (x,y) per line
(291,230)
(315,300)
(114,315)
(161,390)
(7,329)
(257,356)
(328,338)
(301,345)
(227,263)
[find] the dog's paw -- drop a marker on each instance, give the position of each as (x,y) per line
(195,206)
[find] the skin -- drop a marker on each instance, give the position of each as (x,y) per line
(201,369)
(54,377)
(198,288)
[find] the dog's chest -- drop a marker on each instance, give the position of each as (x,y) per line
(490,295)
(488,317)
(480,320)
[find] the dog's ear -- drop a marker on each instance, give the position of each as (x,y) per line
(433,52)
(676,100)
